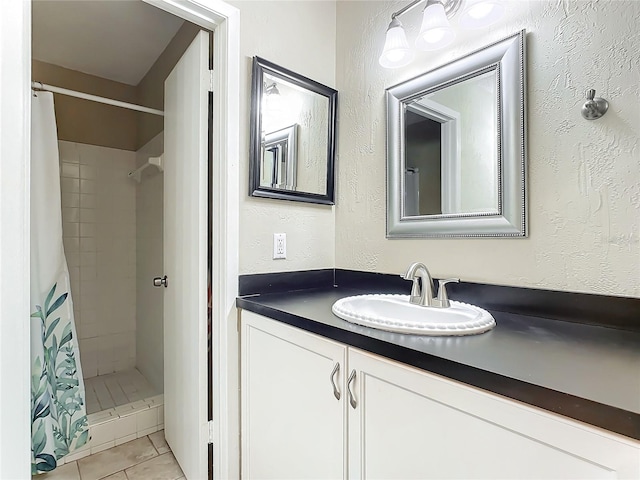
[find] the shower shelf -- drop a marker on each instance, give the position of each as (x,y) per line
(157,162)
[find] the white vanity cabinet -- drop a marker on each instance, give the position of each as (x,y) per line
(410,424)
(293,426)
(398,422)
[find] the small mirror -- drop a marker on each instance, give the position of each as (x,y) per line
(292,136)
(456,151)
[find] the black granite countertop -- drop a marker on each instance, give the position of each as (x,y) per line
(587,372)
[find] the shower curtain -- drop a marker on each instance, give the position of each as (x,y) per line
(58,412)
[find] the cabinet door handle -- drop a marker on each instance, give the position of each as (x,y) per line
(352,398)
(332,377)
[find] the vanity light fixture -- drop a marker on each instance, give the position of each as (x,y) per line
(272,98)
(271,89)
(397,52)
(480,13)
(436,31)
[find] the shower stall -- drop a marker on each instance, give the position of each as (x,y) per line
(112,234)
(109,313)
(111,144)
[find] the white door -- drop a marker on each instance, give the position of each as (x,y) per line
(293,403)
(185,259)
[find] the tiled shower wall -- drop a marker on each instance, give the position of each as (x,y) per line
(99,230)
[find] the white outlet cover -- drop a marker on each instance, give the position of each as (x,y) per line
(279,246)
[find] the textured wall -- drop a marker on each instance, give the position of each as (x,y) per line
(300,36)
(584,177)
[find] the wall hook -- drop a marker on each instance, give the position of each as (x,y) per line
(594,108)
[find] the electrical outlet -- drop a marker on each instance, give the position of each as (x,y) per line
(279,245)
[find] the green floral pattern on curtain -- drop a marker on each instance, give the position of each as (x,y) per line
(58,413)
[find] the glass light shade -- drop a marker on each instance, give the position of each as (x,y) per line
(481,13)
(436,31)
(275,102)
(396,52)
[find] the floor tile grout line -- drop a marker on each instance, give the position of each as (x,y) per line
(123,471)
(153,444)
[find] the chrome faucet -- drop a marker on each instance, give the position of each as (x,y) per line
(422,292)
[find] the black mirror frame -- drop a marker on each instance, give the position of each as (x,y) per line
(261,66)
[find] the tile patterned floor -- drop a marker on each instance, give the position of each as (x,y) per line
(143,459)
(116,389)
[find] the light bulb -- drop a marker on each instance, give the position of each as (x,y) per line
(480,11)
(434,36)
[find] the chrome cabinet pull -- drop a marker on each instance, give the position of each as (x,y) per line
(332,377)
(352,398)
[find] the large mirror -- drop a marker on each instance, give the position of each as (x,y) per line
(456,156)
(292,136)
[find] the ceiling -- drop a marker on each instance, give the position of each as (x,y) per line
(114,39)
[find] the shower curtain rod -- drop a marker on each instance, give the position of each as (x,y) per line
(94,98)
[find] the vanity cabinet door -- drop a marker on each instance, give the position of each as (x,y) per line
(293,426)
(410,424)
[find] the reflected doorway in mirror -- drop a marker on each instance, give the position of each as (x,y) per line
(280,158)
(451,136)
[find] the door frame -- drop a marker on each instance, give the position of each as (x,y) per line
(15,139)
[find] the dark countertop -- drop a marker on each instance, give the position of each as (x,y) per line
(586,372)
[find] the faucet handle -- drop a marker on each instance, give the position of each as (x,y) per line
(443,298)
(416,292)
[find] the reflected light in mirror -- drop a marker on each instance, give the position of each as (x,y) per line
(281,104)
(396,51)
(274,102)
(436,31)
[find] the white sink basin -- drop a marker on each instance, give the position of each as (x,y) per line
(395,314)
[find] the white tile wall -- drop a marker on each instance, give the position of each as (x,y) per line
(99,230)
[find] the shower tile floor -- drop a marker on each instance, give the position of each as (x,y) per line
(116,389)
(146,458)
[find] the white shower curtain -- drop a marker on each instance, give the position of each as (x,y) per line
(58,412)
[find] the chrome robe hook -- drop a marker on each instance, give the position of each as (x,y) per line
(594,108)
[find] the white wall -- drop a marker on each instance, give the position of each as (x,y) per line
(98,227)
(584,177)
(149,264)
(299,36)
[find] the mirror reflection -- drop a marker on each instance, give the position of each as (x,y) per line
(456,157)
(292,136)
(304,116)
(451,149)
(280,158)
